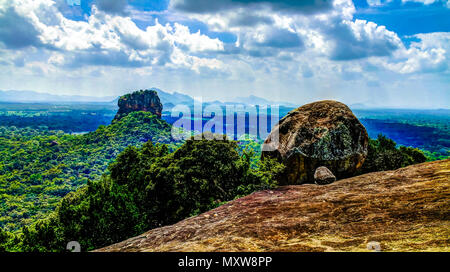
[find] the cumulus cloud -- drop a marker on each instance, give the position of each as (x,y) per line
(429,54)
(104,39)
(195,42)
(263,28)
(333,33)
(280,38)
(249,20)
(360,39)
(112,6)
(429,2)
(16,31)
(207,6)
(378,2)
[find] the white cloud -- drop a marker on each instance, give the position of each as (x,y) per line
(208,6)
(107,39)
(112,6)
(361,39)
(195,42)
(378,3)
(430,54)
(429,2)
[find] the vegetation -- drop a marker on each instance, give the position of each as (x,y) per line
(383,154)
(4,239)
(428,130)
(39,167)
(149,187)
(66,117)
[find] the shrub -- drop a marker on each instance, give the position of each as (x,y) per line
(383,155)
(149,187)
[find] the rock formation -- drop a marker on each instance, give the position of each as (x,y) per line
(147,100)
(324,133)
(323,176)
(403,210)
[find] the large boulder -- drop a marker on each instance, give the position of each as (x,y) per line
(143,100)
(324,133)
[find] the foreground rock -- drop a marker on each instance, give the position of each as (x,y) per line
(324,133)
(404,210)
(323,176)
(147,100)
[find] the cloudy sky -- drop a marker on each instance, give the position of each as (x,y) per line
(392,53)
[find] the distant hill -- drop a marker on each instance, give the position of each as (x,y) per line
(173,98)
(358,106)
(32,96)
(252,100)
(256,100)
(169,100)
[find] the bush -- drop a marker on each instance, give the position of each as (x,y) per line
(383,155)
(3,240)
(149,187)
(38,168)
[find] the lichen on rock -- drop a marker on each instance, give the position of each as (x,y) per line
(324,133)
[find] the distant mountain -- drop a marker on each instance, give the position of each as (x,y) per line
(32,96)
(251,100)
(358,106)
(173,98)
(169,100)
(256,100)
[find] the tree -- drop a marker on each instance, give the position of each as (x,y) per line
(383,155)
(4,238)
(149,187)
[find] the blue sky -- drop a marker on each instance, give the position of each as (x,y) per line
(406,18)
(383,53)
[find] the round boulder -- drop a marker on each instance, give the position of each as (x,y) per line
(323,176)
(324,133)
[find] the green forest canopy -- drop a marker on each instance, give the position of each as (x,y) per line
(38,167)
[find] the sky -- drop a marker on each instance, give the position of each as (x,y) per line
(380,53)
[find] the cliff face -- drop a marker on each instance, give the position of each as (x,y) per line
(404,210)
(147,100)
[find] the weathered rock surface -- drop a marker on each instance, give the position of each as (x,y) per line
(324,133)
(404,210)
(323,176)
(147,100)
